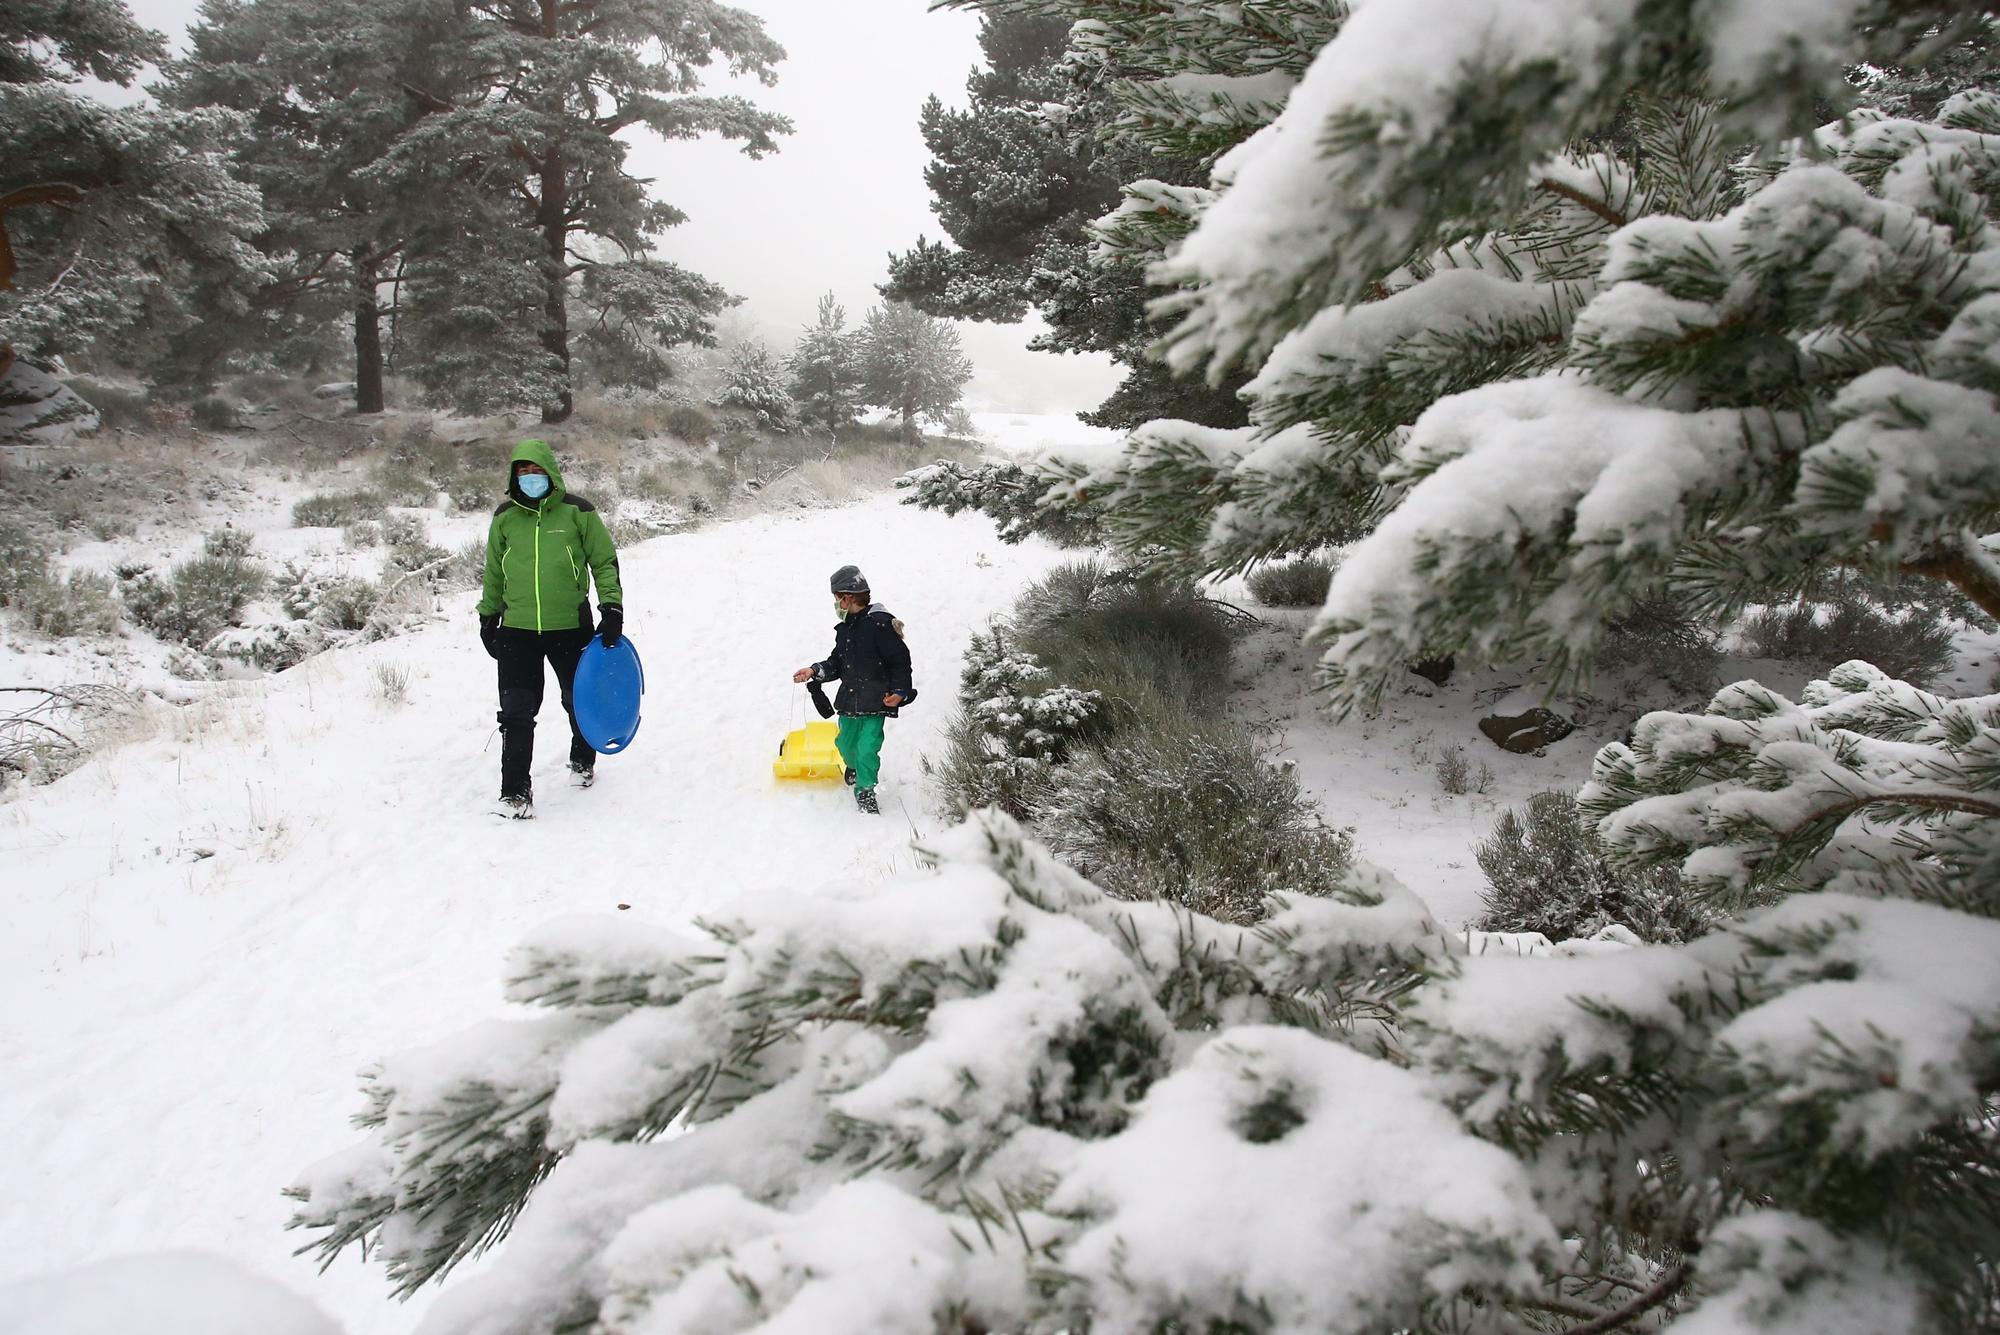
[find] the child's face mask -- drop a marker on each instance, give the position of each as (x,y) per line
(534,485)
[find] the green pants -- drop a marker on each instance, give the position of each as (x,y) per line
(860,744)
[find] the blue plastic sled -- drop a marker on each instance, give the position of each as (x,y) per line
(609,684)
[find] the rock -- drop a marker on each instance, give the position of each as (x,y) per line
(341,390)
(38,409)
(1523,733)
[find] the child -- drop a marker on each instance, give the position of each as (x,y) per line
(872,665)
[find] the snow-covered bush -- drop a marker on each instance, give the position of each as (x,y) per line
(1198,819)
(1014,726)
(24,557)
(1298,583)
(409,542)
(1548,871)
(336,601)
(332,509)
(1839,621)
(987,1096)
(362,533)
(1155,648)
(199,599)
(226,542)
(1666,643)
(78,602)
(272,646)
(213,412)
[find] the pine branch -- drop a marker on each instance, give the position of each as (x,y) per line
(1670,1283)
(1581,200)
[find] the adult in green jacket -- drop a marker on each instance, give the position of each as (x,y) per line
(544,548)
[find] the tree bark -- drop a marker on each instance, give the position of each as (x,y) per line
(910,436)
(554,220)
(555,310)
(367,338)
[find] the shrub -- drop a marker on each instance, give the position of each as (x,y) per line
(332,509)
(687,422)
(271,646)
(215,413)
(24,557)
(1197,818)
(226,542)
(392,682)
(339,602)
(78,603)
(410,545)
(1546,871)
(364,533)
(1014,726)
(1915,646)
(1300,583)
(1673,645)
(1457,775)
(468,565)
(202,597)
(1142,643)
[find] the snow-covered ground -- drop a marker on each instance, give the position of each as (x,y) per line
(208,928)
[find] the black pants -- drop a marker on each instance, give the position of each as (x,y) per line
(521,653)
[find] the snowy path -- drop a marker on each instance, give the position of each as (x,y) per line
(202,939)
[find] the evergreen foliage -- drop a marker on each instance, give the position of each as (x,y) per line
(320,90)
(988,1096)
(1548,871)
(128,232)
(825,372)
(1606,361)
(1300,583)
(1837,620)
(911,364)
(1016,177)
(753,386)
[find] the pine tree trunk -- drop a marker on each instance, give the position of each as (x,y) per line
(367,338)
(555,312)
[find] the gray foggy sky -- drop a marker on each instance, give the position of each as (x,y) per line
(845,189)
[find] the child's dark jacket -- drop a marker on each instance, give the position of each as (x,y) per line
(869,660)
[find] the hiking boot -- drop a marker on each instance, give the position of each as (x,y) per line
(521,807)
(582,776)
(847,776)
(865,799)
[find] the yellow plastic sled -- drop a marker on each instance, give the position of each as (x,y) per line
(809,753)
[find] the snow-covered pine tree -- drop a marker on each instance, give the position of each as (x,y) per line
(321,87)
(1015,176)
(1603,363)
(1015,723)
(987,1097)
(528,160)
(824,370)
(125,227)
(911,364)
(753,387)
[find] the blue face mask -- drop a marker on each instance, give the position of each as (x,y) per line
(533,485)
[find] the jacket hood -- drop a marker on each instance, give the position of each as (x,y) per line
(535,452)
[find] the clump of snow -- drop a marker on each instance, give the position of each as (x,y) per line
(158,1293)
(1404,1203)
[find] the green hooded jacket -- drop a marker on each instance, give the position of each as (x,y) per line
(542,555)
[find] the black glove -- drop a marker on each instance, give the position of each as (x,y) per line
(610,623)
(489,634)
(820,702)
